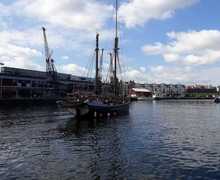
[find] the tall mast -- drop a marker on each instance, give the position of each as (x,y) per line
(101,64)
(116,18)
(116,48)
(111,67)
(97,64)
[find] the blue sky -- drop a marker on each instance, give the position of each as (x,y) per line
(171,41)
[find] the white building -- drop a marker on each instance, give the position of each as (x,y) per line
(165,90)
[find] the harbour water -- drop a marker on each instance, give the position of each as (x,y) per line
(158,140)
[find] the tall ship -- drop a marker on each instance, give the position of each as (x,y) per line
(108,98)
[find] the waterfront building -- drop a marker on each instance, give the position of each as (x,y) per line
(140,93)
(16,83)
(162,90)
(201,91)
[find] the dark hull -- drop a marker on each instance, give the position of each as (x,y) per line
(217,100)
(96,111)
(119,109)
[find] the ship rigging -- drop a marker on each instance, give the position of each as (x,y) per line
(104,103)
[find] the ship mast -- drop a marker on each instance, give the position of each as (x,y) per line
(97,65)
(111,68)
(101,64)
(116,49)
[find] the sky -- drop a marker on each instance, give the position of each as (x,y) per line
(161,41)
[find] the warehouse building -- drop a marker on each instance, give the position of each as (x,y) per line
(16,83)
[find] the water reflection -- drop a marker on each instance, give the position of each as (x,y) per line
(100,147)
(159,140)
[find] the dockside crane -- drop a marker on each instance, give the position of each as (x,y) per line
(50,67)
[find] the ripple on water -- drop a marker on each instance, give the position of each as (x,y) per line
(158,140)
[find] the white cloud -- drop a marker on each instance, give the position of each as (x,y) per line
(81,15)
(160,74)
(25,48)
(21,48)
(138,12)
(189,48)
(137,74)
(143,69)
(3,24)
(65,57)
(71,26)
(73,69)
(156,48)
(72,20)
(173,75)
(17,56)
(186,75)
(30,37)
(167,74)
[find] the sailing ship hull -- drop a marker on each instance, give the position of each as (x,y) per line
(94,110)
(108,110)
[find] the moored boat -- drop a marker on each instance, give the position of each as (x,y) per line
(140,94)
(118,104)
(105,103)
(217,99)
(107,110)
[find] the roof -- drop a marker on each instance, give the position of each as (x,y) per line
(141,90)
(27,73)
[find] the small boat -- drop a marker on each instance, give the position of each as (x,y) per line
(139,98)
(217,99)
(156,97)
(143,98)
(140,94)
